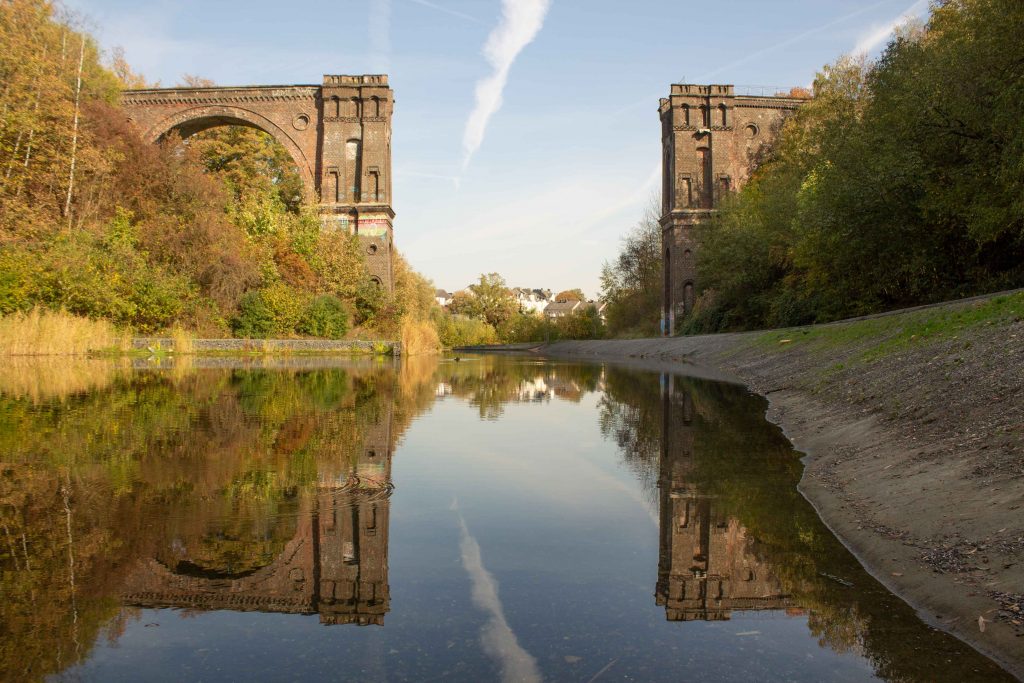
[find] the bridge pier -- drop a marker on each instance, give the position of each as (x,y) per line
(711,139)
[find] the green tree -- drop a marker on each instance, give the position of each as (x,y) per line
(489,300)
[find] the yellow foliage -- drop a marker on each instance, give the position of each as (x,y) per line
(48,333)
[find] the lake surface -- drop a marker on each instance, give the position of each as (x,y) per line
(495,518)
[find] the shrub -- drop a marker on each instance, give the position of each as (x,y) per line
(325,317)
(287,306)
(457,330)
(254,319)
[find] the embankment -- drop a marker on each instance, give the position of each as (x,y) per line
(913,425)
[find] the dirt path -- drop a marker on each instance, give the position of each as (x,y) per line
(914,429)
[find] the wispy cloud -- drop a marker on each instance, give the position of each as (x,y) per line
(447,10)
(521,21)
(759,54)
(793,40)
(454,180)
(496,636)
(380,34)
(877,35)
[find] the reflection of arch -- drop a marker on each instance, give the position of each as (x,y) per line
(335,565)
(197,119)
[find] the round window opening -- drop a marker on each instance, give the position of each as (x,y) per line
(377,281)
(751,131)
(301,122)
(372,249)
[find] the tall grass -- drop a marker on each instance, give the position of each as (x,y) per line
(418,337)
(50,333)
(182,341)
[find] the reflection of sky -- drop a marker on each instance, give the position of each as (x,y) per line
(560,544)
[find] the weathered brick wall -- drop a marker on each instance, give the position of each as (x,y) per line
(710,138)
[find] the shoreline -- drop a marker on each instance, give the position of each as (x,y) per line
(913,446)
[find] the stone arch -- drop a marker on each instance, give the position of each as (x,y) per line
(188,122)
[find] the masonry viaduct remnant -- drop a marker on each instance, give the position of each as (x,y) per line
(337,133)
(710,138)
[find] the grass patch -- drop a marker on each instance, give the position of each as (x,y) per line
(56,333)
(879,337)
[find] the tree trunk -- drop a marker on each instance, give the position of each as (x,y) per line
(74,133)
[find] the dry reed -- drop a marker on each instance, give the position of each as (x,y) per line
(182,341)
(52,333)
(418,337)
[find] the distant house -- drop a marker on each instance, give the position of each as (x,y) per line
(560,309)
(532,300)
(442,297)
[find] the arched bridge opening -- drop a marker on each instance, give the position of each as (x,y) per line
(337,133)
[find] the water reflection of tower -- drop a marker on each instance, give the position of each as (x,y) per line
(352,539)
(705,567)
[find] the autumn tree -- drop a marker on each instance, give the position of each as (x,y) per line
(571,295)
(631,284)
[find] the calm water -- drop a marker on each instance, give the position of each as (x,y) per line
(490,519)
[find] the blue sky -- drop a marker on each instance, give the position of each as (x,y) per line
(526,136)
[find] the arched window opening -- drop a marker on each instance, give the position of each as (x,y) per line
(335,109)
(375,101)
(706,186)
(666,180)
(723,114)
(688,298)
(686,115)
(353,168)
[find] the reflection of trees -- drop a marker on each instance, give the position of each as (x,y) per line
(206,473)
(491,382)
(739,475)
